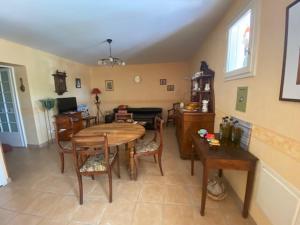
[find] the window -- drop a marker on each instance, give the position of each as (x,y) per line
(240,55)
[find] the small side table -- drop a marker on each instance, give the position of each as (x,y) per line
(226,157)
(88,120)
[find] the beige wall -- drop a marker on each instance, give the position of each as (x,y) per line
(147,93)
(36,69)
(39,67)
(275,137)
(25,104)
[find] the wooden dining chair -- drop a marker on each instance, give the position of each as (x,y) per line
(65,127)
(153,148)
(92,156)
(123,117)
(171,113)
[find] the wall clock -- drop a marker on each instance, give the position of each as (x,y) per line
(137,79)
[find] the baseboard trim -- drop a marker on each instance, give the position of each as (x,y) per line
(45,144)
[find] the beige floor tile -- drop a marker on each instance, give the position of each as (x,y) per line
(236,218)
(210,218)
(177,194)
(192,180)
(25,219)
(78,223)
(20,200)
(118,213)
(176,179)
(148,166)
(63,209)
(6,193)
(129,190)
(153,193)
(59,184)
(178,215)
(196,195)
(100,189)
(90,212)
(152,179)
(88,186)
(46,221)
(42,204)
(148,214)
(6,216)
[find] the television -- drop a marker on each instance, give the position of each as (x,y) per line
(66,105)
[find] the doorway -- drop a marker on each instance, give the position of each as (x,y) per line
(11,124)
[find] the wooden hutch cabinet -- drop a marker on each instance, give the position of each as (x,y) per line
(190,121)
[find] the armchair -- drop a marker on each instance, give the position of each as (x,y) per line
(171,113)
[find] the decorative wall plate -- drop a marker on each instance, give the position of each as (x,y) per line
(137,79)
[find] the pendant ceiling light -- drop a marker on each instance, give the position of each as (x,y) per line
(111,61)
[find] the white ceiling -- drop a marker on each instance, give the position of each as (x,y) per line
(143,31)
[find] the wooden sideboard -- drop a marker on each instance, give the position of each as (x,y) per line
(188,123)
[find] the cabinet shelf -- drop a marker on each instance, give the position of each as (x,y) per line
(201,82)
(188,122)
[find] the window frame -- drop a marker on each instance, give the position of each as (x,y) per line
(248,71)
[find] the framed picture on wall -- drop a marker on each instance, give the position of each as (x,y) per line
(171,87)
(109,85)
(163,81)
(290,80)
(77,83)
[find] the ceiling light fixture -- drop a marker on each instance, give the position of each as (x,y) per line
(111,61)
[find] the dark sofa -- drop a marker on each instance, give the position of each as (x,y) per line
(145,114)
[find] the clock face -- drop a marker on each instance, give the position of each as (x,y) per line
(137,79)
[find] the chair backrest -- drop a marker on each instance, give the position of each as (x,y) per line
(63,128)
(67,125)
(77,122)
(123,116)
(176,105)
(158,124)
(85,146)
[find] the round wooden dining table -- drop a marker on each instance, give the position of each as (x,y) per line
(117,134)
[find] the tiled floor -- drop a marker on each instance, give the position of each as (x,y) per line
(41,195)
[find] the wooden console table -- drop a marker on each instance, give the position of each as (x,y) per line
(225,157)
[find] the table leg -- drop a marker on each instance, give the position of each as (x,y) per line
(204,189)
(248,193)
(220,173)
(131,165)
(192,160)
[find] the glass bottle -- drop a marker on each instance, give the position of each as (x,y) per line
(236,134)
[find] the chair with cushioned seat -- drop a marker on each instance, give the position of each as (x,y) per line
(152,148)
(124,117)
(171,113)
(65,127)
(92,157)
